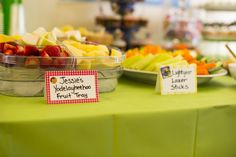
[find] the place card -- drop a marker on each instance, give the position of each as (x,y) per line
(64,87)
(179,79)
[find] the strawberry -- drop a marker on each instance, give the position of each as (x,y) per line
(9,47)
(64,54)
(8,52)
(20,50)
(1,47)
(31,50)
(32,62)
(46,60)
(59,62)
(53,51)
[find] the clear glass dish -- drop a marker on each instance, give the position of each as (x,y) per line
(24,75)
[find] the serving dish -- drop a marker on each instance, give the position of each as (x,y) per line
(150,77)
(19,79)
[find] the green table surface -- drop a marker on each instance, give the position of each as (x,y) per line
(132,121)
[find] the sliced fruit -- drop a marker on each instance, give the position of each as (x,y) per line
(1,47)
(85,47)
(43,41)
(73,51)
(51,37)
(96,53)
(46,60)
(53,51)
(59,62)
(90,47)
(103,48)
(73,35)
(6,38)
(20,51)
(84,65)
(30,39)
(31,50)
(67,28)
(9,52)
(16,37)
(9,47)
(116,53)
(58,33)
(32,62)
(39,31)
(64,54)
(68,43)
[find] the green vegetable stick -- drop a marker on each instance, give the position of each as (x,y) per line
(181,62)
(167,62)
(130,61)
(144,61)
(158,58)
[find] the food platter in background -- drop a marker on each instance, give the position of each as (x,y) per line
(151,77)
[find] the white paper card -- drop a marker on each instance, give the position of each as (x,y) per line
(180,79)
(63,87)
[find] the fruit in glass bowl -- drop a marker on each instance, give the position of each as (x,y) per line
(22,67)
(24,61)
(91,56)
(22,70)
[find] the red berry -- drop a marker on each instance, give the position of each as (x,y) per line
(9,52)
(59,62)
(64,54)
(9,47)
(20,50)
(46,60)
(31,50)
(1,47)
(32,62)
(53,51)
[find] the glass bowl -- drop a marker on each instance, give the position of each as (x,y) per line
(24,75)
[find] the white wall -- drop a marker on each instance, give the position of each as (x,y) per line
(50,13)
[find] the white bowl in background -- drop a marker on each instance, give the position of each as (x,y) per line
(232,70)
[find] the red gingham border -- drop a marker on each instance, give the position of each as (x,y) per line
(70,73)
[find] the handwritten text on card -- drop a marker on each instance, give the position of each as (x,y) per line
(71,86)
(178,79)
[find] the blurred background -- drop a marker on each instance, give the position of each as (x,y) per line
(206,24)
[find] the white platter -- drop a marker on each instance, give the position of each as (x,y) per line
(150,77)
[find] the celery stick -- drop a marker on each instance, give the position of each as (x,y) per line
(181,62)
(143,62)
(130,61)
(218,67)
(158,58)
(167,62)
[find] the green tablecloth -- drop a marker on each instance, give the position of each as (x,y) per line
(132,121)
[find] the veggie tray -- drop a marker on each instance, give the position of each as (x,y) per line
(144,64)
(151,77)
